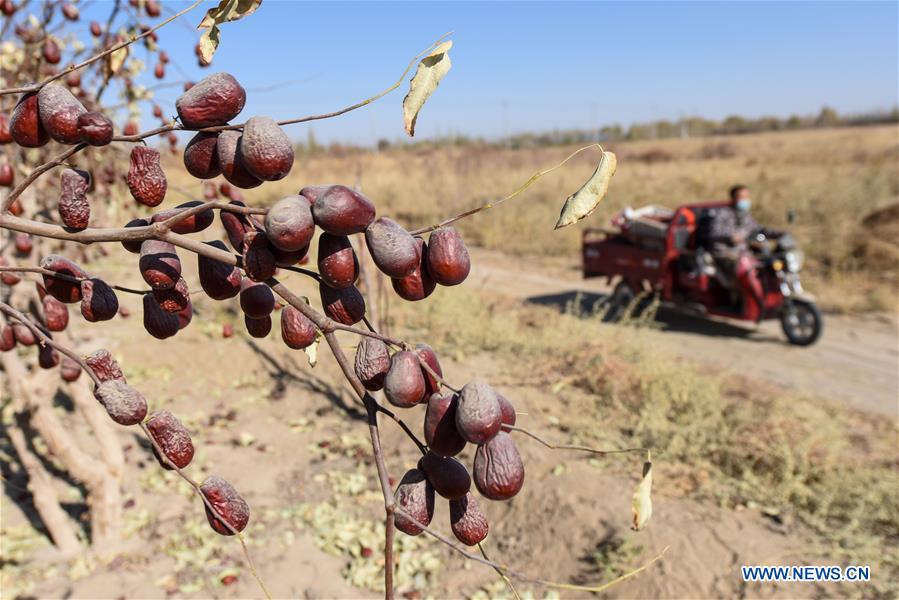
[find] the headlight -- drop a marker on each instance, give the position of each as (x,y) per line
(794,259)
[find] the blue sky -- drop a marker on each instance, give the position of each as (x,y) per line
(533,66)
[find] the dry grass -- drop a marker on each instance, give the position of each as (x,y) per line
(833,178)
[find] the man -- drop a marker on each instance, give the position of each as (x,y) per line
(729,234)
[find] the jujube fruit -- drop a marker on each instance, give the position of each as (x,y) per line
(345,306)
(297,330)
(172,438)
(5,135)
(340,210)
(404,384)
(467,521)
(174,299)
(371,363)
(414,495)
(440,430)
(96,29)
(95,128)
(498,469)
(418,284)
(231,163)
(47,357)
(69,370)
(7,338)
(159,264)
(104,366)
(337,262)
(98,300)
(125,405)
(288,259)
(8,277)
(73,79)
(507,409)
(479,415)
(159,323)
(427,354)
(227,503)
(258,328)
(256,299)
(7,175)
(59,111)
(448,259)
(185,315)
(265,149)
(146,179)
(201,156)
(23,243)
(236,225)
(393,249)
(258,259)
(51,52)
(74,209)
(134,246)
(56,314)
(62,289)
(219,280)
(192,224)
(288,224)
(311,192)
(214,100)
(25,126)
(23,334)
(70,12)
(448,476)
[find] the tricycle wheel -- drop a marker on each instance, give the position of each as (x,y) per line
(802,322)
(619,302)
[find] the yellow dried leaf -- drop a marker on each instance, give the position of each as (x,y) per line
(225,12)
(431,70)
(585,200)
(642,504)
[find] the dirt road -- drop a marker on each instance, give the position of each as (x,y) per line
(854,362)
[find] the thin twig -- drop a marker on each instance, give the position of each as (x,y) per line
(67,277)
(552,446)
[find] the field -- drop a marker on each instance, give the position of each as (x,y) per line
(750,466)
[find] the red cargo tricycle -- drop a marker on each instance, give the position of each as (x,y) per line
(658,251)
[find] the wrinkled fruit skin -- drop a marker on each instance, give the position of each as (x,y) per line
(125,405)
(256,299)
(231,163)
(404,384)
(64,291)
(236,226)
(414,495)
(297,330)
(214,100)
(159,323)
(258,258)
(371,363)
(440,431)
(173,300)
(288,224)
(159,264)
(227,502)
(69,370)
(258,328)
(498,469)
(104,366)
(507,409)
(201,156)
(427,354)
(219,280)
(59,111)
(172,438)
(98,300)
(74,209)
(393,249)
(479,415)
(56,314)
(134,247)
(95,128)
(146,179)
(192,224)
(448,259)
(337,262)
(419,284)
(265,149)
(340,210)
(345,306)
(25,124)
(467,521)
(448,476)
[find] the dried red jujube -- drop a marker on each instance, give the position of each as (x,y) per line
(74,209)
(371,363)
(98,300)
(404,384)
(449,477)
(172,438)
(468,522)
(498,468)
(297,330)
(159,264)
(227,503)
(337,262)
(124,404)
(146,179)
(479,415)
(414,495)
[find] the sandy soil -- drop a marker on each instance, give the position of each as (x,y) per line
(288,438)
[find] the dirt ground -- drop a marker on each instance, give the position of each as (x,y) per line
(291,439)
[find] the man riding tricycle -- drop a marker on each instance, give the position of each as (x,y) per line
(712,257)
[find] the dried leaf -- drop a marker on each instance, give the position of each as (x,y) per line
(115,61)
(642,504)
(583,201)
(312,350)
(431,70)
(225,12)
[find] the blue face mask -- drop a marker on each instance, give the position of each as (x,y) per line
(744,204)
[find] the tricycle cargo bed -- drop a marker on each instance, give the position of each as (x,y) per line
(606,254)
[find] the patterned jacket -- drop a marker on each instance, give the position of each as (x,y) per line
(725,224)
